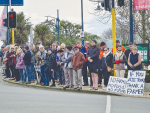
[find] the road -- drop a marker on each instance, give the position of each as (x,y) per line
(21,99)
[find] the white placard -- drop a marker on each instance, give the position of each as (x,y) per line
(135,84)
(117,84)
(82,34)
(37,68)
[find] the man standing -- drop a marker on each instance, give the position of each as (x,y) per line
(27,61)
(102,46)
(77,62)
(93,58)
(128,51)
(1,55)
(118,45)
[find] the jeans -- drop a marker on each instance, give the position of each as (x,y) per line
(27,72)
(44,76)
(32,72)
(84,72)
(21,75)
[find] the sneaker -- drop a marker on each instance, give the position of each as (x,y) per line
(53,85)
(104,88)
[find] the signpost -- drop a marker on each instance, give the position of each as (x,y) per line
(13,3)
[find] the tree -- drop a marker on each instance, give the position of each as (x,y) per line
(42,33)
(22,31)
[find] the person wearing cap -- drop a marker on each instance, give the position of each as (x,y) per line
(77,62)
(5,60)
(134,59)
(118,45)
(50,57)
(27,61)
(93,58)
(102,46)
(106,61)
(61,64)
(68,71)
(43,64)
(119,60)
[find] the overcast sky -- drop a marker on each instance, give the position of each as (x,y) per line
(69,10)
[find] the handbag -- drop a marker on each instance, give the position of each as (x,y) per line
(108,68)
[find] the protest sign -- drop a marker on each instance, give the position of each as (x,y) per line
(37,68)
(135,83)
(117,84)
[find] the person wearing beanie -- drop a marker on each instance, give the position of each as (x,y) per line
(102,46)
(43,64)
(119,60)
(68,71)
(93,58)
(77,62)
(27,61)
(50,57)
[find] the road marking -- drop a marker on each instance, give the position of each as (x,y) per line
(108,105)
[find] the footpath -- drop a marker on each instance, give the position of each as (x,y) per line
(85,89)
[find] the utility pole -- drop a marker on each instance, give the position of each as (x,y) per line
(82,20)
(131,23)
(113,29)
(57,24)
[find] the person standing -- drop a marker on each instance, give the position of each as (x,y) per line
(128,51)
(93,58)
(50,57)
(119,60)
(102,46)
(27,61)
(1,55)
(106,61)
(11,61)
(77,62)
(42,59)
(118,45)
(68,72)
(134,59)
(20,64)
(32,65)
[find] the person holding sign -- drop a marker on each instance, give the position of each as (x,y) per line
(134,60)
(106,62)
(119,60)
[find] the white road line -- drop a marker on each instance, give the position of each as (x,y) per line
(108,105)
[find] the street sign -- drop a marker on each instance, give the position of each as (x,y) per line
(13,2)
(82,34)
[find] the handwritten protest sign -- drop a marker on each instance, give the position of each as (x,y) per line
(135,83)
(117,84)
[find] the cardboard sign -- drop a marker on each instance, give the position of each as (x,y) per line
(37,68)
(133,85)
(117,84)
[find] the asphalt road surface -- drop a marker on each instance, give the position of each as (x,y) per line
(21,99)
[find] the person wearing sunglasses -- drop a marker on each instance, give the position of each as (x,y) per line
(119,60)
(106,61)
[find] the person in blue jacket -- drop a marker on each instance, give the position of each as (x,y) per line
(106,61)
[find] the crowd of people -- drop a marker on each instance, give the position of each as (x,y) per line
(67,65)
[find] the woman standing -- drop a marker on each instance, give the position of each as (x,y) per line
(11,60)
(20,64)
(120,60)
(134,60)
(106,61)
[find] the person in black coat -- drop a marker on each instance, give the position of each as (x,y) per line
(93,58)
(50,66)
(27,61)
(106,61)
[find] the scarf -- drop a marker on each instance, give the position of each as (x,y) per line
(105,55)
(119,54)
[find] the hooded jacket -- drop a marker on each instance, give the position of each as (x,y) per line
(20,63)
